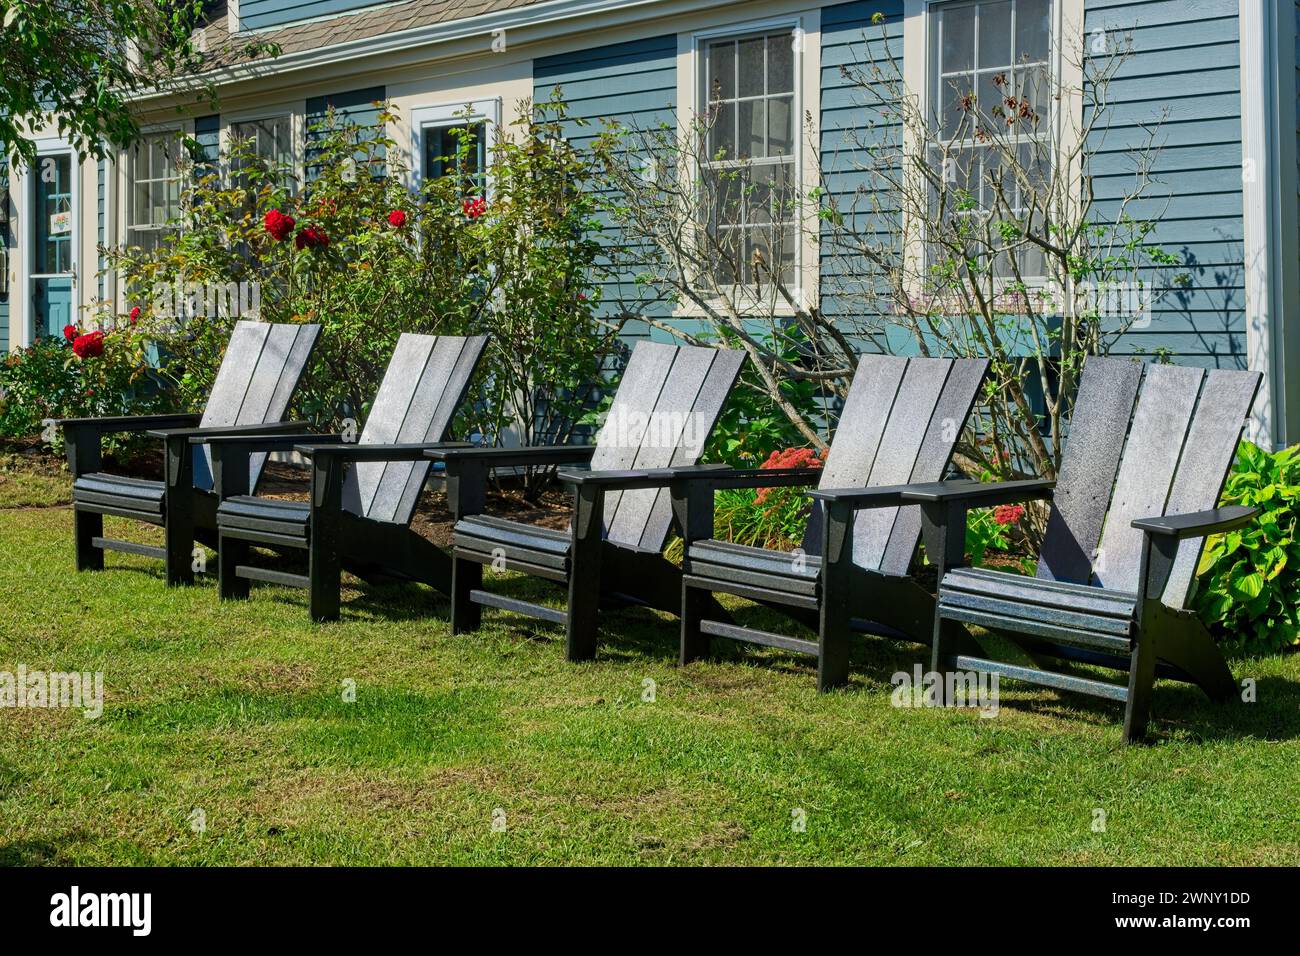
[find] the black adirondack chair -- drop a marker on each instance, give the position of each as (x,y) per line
(898,426)
(259,372)
(667,404)
(363,494)
(1147,454)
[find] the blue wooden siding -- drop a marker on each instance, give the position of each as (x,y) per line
(1185,75)
(634,83)
(256,14)
(359,107)
(848,126)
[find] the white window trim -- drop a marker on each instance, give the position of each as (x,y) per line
(24,237)
(807,102)
(460,112)
(918,46)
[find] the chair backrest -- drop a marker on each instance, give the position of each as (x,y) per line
(1145,441)
(899,424)
(425,382)
(258,374)
(667,403)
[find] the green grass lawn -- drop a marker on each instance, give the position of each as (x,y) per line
(238,711)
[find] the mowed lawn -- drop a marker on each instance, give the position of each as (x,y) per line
(490,749)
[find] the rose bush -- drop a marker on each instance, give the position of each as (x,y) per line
(358,251)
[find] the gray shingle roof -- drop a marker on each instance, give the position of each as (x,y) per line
(358,25)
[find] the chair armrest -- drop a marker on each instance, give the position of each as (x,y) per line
(722,477)
(509,457)
(1199,523)
(618,480)
(413,451)
(881,496)
(979,494)
(261,428)
(132,423)
(274,441)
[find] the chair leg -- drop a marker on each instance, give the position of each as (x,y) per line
(88,525)
(1141,680)
(695,605)
(325,581)
(581,630)
(833,636)
(231,553)
(466,576)
(178,538)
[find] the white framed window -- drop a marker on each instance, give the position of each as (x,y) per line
(271,138)
(155,169)
(749,92)
(990,89)
(434,142)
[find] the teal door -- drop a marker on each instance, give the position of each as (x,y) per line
(52,271)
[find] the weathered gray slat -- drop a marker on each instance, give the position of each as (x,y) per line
(1102,410)
(1081,685)
(514,605)
(299,355)
(234,376)
(400,381)
(1011,611)
(918,395)
(777,584)
(439,428)
(721,378)
(1038,591)
(247,339)
(941,434)
(1146,469)
(638,391)
(264,386)
(753,636)
(1211,444)
(525,536)
(862,421)
(129,547)
(444,351)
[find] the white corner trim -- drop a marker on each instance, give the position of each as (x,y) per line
(232,17)
(1260,227)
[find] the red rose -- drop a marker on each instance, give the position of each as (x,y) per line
(90,345)
(278,225)
(397,219)
(311,237)
(135,315)
(474,207)
(69,332)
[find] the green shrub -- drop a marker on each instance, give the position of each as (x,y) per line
(49,380)
(1249,579)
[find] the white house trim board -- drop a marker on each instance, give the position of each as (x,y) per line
(21,333)
(1261,213)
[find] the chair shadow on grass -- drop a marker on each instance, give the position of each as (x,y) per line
(40,852)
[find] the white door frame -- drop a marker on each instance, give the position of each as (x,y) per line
(25,237)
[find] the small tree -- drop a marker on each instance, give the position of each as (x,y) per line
(977,233)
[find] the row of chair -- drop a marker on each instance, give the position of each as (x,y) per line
(1148,451)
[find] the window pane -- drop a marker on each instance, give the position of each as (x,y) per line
(722,136)
(995,34)
(780,132)
(957,27)
(954,90)
(1033,26)
(751,66)
(722,71)
(992,89)
(780,64)
(1032,84)
(751,128)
